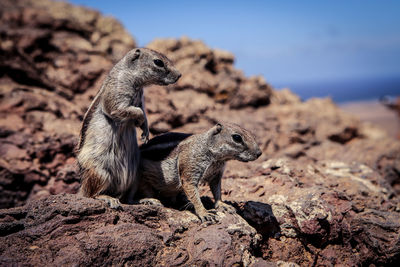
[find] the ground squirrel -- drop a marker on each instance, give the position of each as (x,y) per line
(176,162)
(108,153)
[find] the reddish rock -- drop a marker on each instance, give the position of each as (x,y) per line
(324,192)
(212,72)
(53,56)
(68,229)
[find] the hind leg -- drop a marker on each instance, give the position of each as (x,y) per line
(147,196)
(93,185)
(112,202)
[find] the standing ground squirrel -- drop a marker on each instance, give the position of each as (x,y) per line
(176,162)
(108,153)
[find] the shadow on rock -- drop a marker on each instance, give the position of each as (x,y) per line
(261,217)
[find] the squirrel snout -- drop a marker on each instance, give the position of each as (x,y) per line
(258,153)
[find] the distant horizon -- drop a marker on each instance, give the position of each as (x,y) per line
(347,90)
(290,43)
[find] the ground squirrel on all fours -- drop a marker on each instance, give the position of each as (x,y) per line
(177,162)
(108,152)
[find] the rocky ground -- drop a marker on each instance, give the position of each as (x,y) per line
(325,191)
(377,113)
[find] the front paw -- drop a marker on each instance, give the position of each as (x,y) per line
(208,216)
(221,206)
(114,204)
(145,136)
(139,118)
(139,121)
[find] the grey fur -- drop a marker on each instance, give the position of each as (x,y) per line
(108,153)
(195,159)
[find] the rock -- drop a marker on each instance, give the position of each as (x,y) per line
(324,192)
(393,104)
(314,207)
(212,72)
(68,229)
(284,96)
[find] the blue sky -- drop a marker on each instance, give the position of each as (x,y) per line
(288,42)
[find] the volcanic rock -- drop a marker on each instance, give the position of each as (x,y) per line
(53,57)
(325,191)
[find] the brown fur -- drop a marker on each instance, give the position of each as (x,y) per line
(194,159)
(108,153)
(93,184)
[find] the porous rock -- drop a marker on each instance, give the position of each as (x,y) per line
(67,229)
(324,192)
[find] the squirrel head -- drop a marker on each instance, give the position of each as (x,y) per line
(230,141)
(150,67)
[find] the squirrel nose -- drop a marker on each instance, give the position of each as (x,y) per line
(258,153)
(178,76)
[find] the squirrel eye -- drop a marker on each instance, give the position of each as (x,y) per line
(237,138)
(159,63)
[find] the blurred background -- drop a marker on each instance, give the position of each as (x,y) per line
(348,50)
(55,56)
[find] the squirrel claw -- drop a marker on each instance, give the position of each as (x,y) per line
(144,138)
(113,203)
(151,202)
(209,216)
(139,122)
(221,206)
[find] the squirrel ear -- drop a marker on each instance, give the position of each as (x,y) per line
(136,54)
(217,128)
